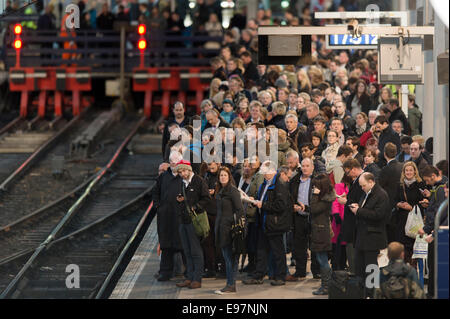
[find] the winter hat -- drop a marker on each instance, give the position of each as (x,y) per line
(183,165)
(228,101)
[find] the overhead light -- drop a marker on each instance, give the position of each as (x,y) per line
(192,5)
(284,4)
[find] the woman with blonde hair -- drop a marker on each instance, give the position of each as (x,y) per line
(304,84)
(316,76)
(407,198)
(214,87)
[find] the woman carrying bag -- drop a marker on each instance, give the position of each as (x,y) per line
(230,212)
(408,196)
(321,233)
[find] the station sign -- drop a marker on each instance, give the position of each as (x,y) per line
(347,42)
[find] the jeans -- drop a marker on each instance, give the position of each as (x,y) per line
(231,263)
(192,251)
(322,259)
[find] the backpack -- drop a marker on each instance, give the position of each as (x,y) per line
(399,287)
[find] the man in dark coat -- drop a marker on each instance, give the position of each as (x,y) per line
(371,216)
(386,135)
(274,219)
(194,196)
(300,187)
(352,169)
(417,157)
(179,118)
(318,97)
(251,73)
(397,114)
(167,188)
(389,180)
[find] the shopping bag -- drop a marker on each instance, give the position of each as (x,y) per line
(414,223)
(420,249)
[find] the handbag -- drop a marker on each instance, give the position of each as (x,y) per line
(238,234)
(414,222)
(199,220)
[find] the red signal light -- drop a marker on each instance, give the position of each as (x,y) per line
(142,29)
(17,44)
(17,29)
(142,44)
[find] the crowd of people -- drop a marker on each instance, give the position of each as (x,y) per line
(350,166)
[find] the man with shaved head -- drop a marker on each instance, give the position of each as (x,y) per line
(371,217)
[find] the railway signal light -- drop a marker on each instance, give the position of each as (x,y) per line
(142,44)
(142,29)
(17,44)
(17,29)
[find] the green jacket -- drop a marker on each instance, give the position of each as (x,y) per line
(255,183)
(414,119)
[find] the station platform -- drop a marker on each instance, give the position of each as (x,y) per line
(138,280)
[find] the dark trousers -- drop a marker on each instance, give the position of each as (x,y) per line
(339,257)
(364,258)
(166,265)
(267,244)
(300,247)
(208,246)
(192,251)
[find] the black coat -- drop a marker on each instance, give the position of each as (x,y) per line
(355,193)
(389,180)
(413,197)
(167,209)
(398,114)
(371,221)
(374,169)
(421,163)
(277,208)
(197,197)
(228,202)
(320,221)
(388,135)
(166,134)
(211,180)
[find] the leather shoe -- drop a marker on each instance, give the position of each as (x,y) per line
(183,284)
(163,278)
(291,278)
(195,285)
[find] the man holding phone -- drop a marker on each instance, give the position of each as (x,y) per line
(371,217)
(352,169)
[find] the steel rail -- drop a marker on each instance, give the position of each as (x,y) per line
(70,213)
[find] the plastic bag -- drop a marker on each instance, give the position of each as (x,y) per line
(420,249)
(414,223)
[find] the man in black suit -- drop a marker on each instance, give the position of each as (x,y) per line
(178,118)
(389,180)
(318,97)
(371,215)
(353,170)
(386,135)
(300,187)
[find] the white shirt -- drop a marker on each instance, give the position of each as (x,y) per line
(188,181)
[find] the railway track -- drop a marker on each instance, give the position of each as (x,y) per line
(81,212)
(22,142)
(39,186)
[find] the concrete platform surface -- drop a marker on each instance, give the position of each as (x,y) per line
(138,280)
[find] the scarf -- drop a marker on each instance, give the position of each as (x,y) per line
(409,182)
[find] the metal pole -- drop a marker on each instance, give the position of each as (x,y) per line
(122,62)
